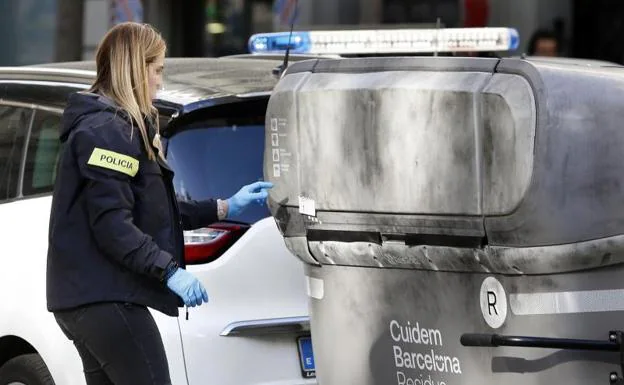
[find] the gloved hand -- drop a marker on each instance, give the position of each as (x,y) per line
(252,192)
(187,287)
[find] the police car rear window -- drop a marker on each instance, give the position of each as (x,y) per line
(215,161)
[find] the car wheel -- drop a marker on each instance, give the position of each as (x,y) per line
(28,369)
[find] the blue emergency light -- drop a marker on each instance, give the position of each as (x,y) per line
(387,41)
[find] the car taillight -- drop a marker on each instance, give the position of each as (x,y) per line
(207,244)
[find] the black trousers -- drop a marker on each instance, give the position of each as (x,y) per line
(119,344)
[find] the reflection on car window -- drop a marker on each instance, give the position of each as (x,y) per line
(13,128)
(43,153)
(215,162)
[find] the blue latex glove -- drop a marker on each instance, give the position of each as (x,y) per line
(187,287)
(252,192)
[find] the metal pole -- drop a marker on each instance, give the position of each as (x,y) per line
(69,31)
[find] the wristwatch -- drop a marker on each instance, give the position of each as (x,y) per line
(171,268)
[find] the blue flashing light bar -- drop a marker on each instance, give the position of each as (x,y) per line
(387,41)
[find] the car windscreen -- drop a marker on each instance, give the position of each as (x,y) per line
(215,161)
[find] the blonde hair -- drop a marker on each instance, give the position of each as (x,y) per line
(122,60)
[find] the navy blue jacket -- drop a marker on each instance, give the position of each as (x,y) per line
(115,223)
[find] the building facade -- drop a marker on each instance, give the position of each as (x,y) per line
(588,28)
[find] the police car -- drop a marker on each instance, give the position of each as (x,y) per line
(255,329)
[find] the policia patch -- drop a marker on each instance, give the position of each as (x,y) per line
(114,161)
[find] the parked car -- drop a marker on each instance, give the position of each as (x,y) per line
(255,329)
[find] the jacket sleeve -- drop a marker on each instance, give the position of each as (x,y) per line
(197,214)
(108,160)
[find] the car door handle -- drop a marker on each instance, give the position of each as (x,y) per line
(286,325)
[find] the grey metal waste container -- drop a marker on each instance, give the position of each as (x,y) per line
(432,198)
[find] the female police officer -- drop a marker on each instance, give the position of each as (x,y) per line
(116,241)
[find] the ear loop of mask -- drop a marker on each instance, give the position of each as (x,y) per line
(157,143)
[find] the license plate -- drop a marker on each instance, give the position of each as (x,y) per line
(306,357)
